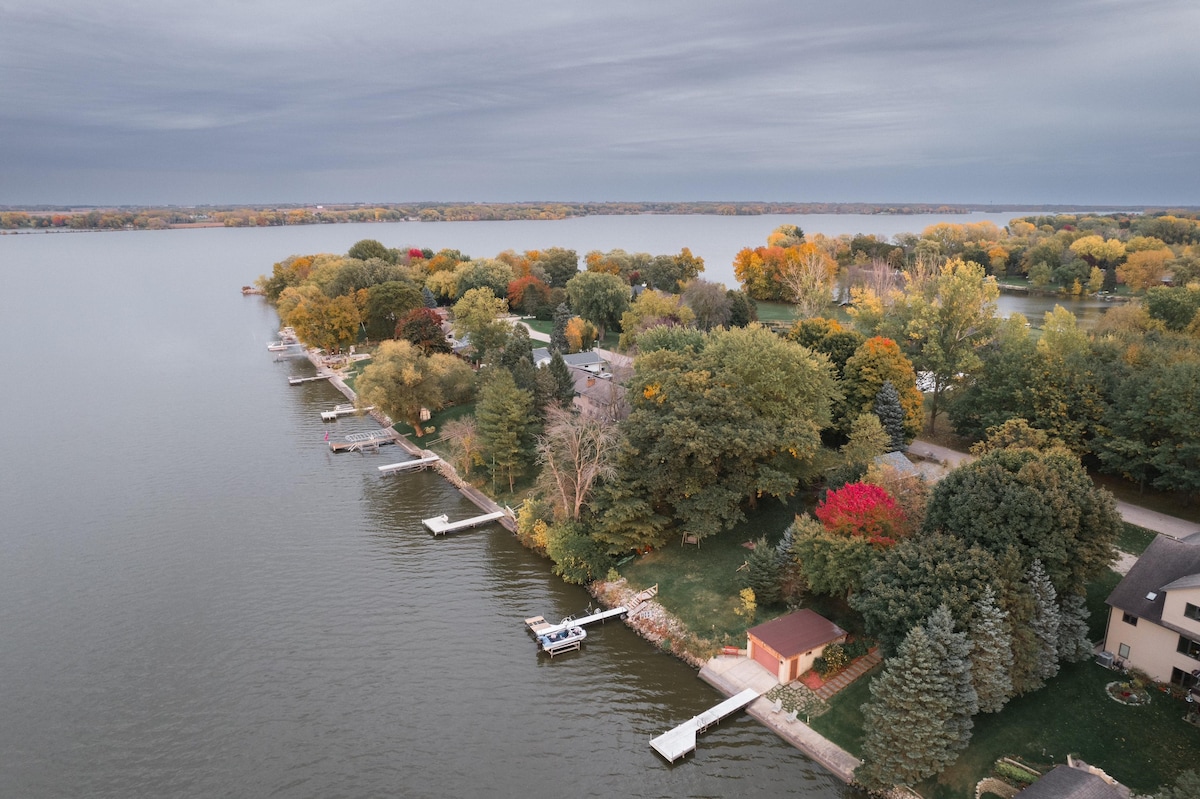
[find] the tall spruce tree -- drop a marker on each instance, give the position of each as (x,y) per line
(564,384)
(558,336)
(891,415)
(506,420)
(428,298)
(953,650)
(1074,644)
(991,654)
(1046,620)
(906,739)
(764,570)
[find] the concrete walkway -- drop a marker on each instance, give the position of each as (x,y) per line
(732,674)
(848,675)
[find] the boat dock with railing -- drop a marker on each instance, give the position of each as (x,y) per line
(344,409)
(408,466)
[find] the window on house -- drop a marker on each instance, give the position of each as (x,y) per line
(1188,647)
(1129,618)
(1191,611)
(1183,679)
(1123,651)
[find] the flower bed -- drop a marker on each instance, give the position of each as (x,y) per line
(1127,693)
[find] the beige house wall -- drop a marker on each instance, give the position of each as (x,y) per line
(1151,647)
(787,669)
(1176,602)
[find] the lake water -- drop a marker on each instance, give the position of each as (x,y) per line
(198,599)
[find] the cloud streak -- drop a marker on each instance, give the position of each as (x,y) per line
(1087,101)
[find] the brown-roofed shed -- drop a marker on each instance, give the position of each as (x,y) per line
(787,646)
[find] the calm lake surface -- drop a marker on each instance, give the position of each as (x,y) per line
(198,599)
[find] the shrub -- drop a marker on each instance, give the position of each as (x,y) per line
(835,659)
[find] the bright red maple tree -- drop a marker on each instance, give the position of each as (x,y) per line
(863,510)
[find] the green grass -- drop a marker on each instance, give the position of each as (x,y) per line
(700,585)
(1098,591)
(843,724)
(1143,747)
(776,312)
(546,327)
(1134,539)
(433,428)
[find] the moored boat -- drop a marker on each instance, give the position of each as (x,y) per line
(564,640)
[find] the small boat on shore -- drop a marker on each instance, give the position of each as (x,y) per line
(566,639)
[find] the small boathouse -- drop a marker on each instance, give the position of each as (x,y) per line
(787,646)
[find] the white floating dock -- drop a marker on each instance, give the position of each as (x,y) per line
(342,410)
(408,466)
(280,346)
(539,626)
(440,525)
(681,740)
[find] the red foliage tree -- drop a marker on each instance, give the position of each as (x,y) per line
(415,254)
(863,510)
(527,294)
(423,327)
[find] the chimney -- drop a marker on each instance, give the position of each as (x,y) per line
(591,382)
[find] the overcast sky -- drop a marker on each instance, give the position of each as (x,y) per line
(261,101)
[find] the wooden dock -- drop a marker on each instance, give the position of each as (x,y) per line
(440,525)
(408,466)
(681,740)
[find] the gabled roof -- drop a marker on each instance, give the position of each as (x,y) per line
(898,462)
(1064,782)
(797,633)
(1164,563)
(542,355)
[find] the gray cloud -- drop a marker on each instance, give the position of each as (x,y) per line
(1087,101)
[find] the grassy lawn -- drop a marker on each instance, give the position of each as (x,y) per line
(609,342)
(1134,539)
(1098,591)
(433,428)
(700,585)
(843,724)
(776,312)
(1143,747)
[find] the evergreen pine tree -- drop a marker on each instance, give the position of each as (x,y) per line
(905,739)
(564,390)
(953,650)
(1074,645)
(558,337)
(891,414)
(763,573)
(428,298)
(505,419)
(1046,620)
(991,654)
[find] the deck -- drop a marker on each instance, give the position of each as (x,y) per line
(360,442)
(539,626)
(440,525)
(678,742)
(409,466)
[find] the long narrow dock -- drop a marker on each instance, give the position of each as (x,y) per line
(440,525)
(295,381)
(539,626)
(408,466)
(342,410)
(681,740)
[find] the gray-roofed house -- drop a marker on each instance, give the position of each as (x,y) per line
(599,395)
(590,360)
(1074,782)
(787,646)
(1154,612)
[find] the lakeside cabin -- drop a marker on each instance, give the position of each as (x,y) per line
(787,646)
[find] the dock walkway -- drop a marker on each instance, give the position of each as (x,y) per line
(731,674)
(409,466)
(678,742)
(440,525)
(539,626)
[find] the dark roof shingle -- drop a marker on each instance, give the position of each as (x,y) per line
(1165,561)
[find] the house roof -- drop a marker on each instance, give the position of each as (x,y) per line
(797,633)
(542,355)
(1064,782)
(898,462)
(1167,564)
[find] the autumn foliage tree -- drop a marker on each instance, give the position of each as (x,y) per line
(865,511)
